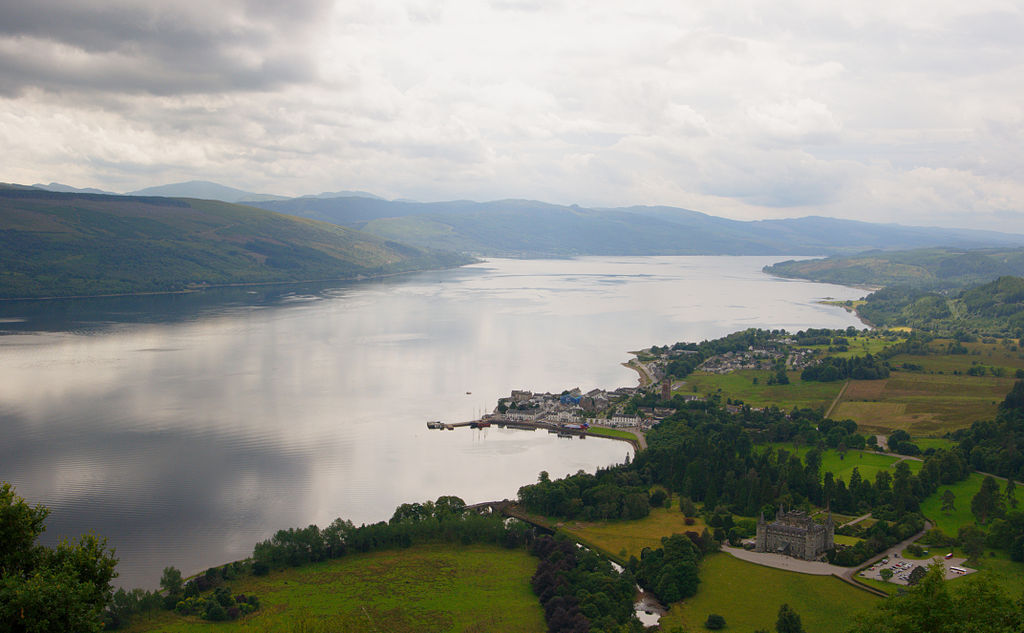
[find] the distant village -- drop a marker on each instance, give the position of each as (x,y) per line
(572,412)
(758,359)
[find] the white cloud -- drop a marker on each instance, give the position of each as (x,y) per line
(908,111)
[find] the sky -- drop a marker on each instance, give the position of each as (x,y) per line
(896,111)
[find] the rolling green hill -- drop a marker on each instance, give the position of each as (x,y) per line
(993,308)
(931,268)
(71,244)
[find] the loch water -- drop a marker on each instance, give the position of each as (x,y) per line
(185,428)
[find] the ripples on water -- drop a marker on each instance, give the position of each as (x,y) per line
(188,427)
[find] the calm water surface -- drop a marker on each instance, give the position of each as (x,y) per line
(187,428)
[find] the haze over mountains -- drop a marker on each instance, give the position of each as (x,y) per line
(59,243)
(529,228)
(537,229)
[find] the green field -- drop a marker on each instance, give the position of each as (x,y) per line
(858,345)
(867,463)
(920,403)
(1003,571)
(613,433)
(924,443)
(749,595)
(425,589)
(950,522)
(631,537)
(739,385)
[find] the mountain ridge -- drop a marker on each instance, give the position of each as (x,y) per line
(78,244)
(518,227)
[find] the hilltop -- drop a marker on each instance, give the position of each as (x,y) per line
(71,244)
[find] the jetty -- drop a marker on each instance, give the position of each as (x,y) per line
(564,430)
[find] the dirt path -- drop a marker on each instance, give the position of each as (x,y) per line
(857,520)
(839,396)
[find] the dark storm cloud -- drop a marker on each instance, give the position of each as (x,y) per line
(154,48)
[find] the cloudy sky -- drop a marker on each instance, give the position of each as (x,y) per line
(907,111)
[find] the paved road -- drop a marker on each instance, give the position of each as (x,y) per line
(788,563)
(817,568)
(646,377)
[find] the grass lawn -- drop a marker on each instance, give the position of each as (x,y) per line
(950,522)
(749,596)
(922,404)
(740,385)
(867,463)
(924,443)
(614,433)
(614,537)
(890,588)
(433,588)
(1002,570)
(858,346)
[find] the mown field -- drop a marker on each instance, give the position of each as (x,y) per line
(612,433)
(425,589)
(740,385)
(628,538)
(950,522)
(925,405)
(749,596)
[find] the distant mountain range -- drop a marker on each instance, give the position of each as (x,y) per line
(526,228)
(75,241)
(68,244)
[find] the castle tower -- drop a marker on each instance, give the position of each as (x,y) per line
(760,542)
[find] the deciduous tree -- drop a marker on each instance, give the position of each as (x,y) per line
(50,590)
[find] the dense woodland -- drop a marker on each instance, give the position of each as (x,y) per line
(934,269)
(995,308)
(61,244)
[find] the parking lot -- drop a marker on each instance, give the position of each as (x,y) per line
(902,567)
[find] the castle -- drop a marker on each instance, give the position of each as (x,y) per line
(795,534)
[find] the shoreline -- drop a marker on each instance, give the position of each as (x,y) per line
(245,284)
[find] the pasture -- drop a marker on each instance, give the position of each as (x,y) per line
(740,385)
(921,404)
(867,463)
(623,539)
(951,521)
(424,589)
(749,596)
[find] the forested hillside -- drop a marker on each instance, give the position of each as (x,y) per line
(993,308)
(927,268)
(68,244)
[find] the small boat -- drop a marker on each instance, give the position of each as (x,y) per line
(469,393)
